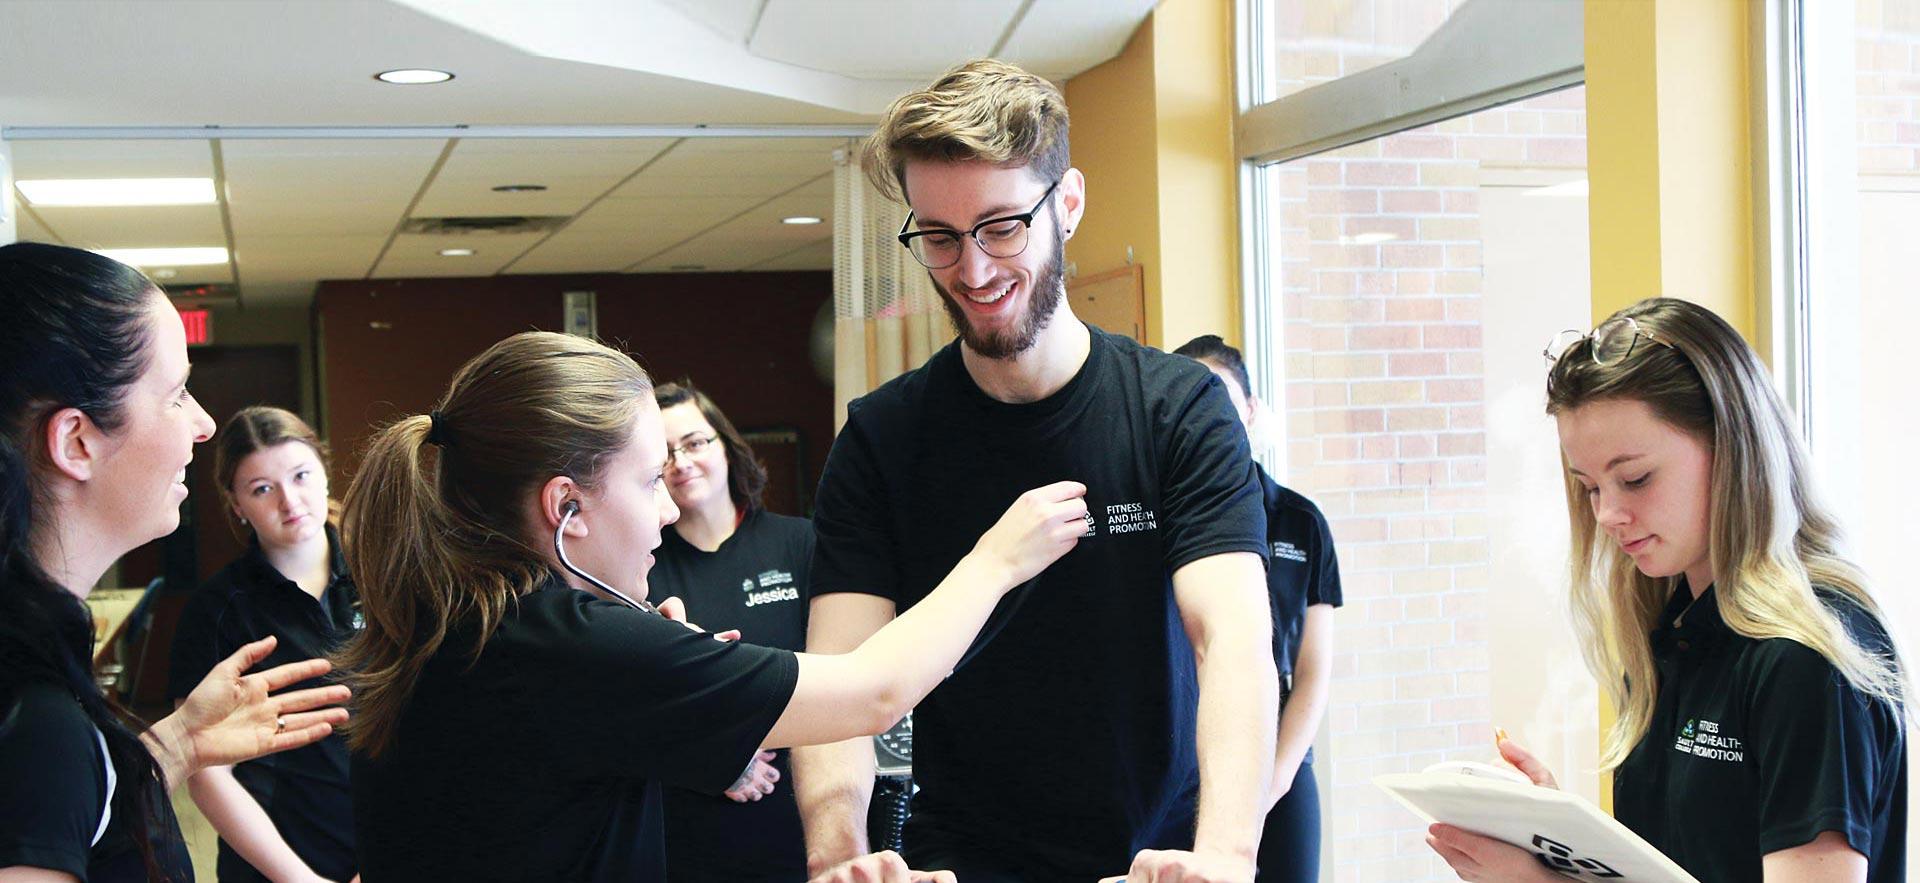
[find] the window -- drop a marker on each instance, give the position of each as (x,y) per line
(1860,70)
(1407,264)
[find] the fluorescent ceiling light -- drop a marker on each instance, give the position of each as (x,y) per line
(1368,238)
(52,192)
(166,257)
(456,252)
(800,219)
(1576,187)
(413,76)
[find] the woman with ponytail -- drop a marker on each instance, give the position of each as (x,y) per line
(96,429)
(516,709)
(1761,728)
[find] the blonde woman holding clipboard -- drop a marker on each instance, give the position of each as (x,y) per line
(1761,734)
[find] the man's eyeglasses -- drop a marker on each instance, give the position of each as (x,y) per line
(938,248)
(1608,344)
(692,447)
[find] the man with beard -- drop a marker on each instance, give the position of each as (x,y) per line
(1070,740)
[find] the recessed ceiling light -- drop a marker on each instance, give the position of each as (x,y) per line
(166,257)
(54,192)
(520,188)
(800,219)
(456,252)
(413,76)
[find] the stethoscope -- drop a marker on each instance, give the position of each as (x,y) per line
(567,511)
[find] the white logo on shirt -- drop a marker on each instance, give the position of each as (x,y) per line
(1702,738)
(1289,551)
(1130,518)
(773,586)
(771,578)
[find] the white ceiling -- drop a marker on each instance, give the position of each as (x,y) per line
(300,210)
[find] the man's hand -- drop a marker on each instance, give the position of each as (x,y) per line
(882,867)
(1179,866)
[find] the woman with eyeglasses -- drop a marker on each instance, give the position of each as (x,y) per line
(736,567)
(96,429)
(1761,732)
(518,702)
(287,818)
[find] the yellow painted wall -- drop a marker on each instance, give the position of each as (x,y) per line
(1112,108)
(1670,156)
(1153,131)
(1670,164)
(1199,191)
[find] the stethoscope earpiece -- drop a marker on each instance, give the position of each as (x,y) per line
(567,511)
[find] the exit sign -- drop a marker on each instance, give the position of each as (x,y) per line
(199,326)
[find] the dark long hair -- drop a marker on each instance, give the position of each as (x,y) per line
(746,475)
(75,337)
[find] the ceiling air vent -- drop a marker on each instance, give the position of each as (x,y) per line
(484,225)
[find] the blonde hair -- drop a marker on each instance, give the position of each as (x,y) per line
(1770,541)
(435,539)
(982,111)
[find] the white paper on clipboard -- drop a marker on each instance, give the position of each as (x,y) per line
(1569,834)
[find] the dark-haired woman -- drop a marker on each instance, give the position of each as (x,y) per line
(736,566)
(288,817)
(96,429)
(1303,583)
(516,711)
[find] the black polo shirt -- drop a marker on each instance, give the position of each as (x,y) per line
(1301,567)
(1761,745)
(540,759)
(303,791)
(1066,743)
(755,582)
(55,784)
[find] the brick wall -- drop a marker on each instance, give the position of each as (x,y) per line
(1887,64)
(1382,299)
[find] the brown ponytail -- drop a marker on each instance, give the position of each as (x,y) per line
(434,528)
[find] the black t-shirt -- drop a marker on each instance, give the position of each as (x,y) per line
(538,760)
(1301,567)
(1760,745)
(1067,741)
(755,582)
(54,789)
(304,791)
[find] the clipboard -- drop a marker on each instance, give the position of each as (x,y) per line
(1566,832)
